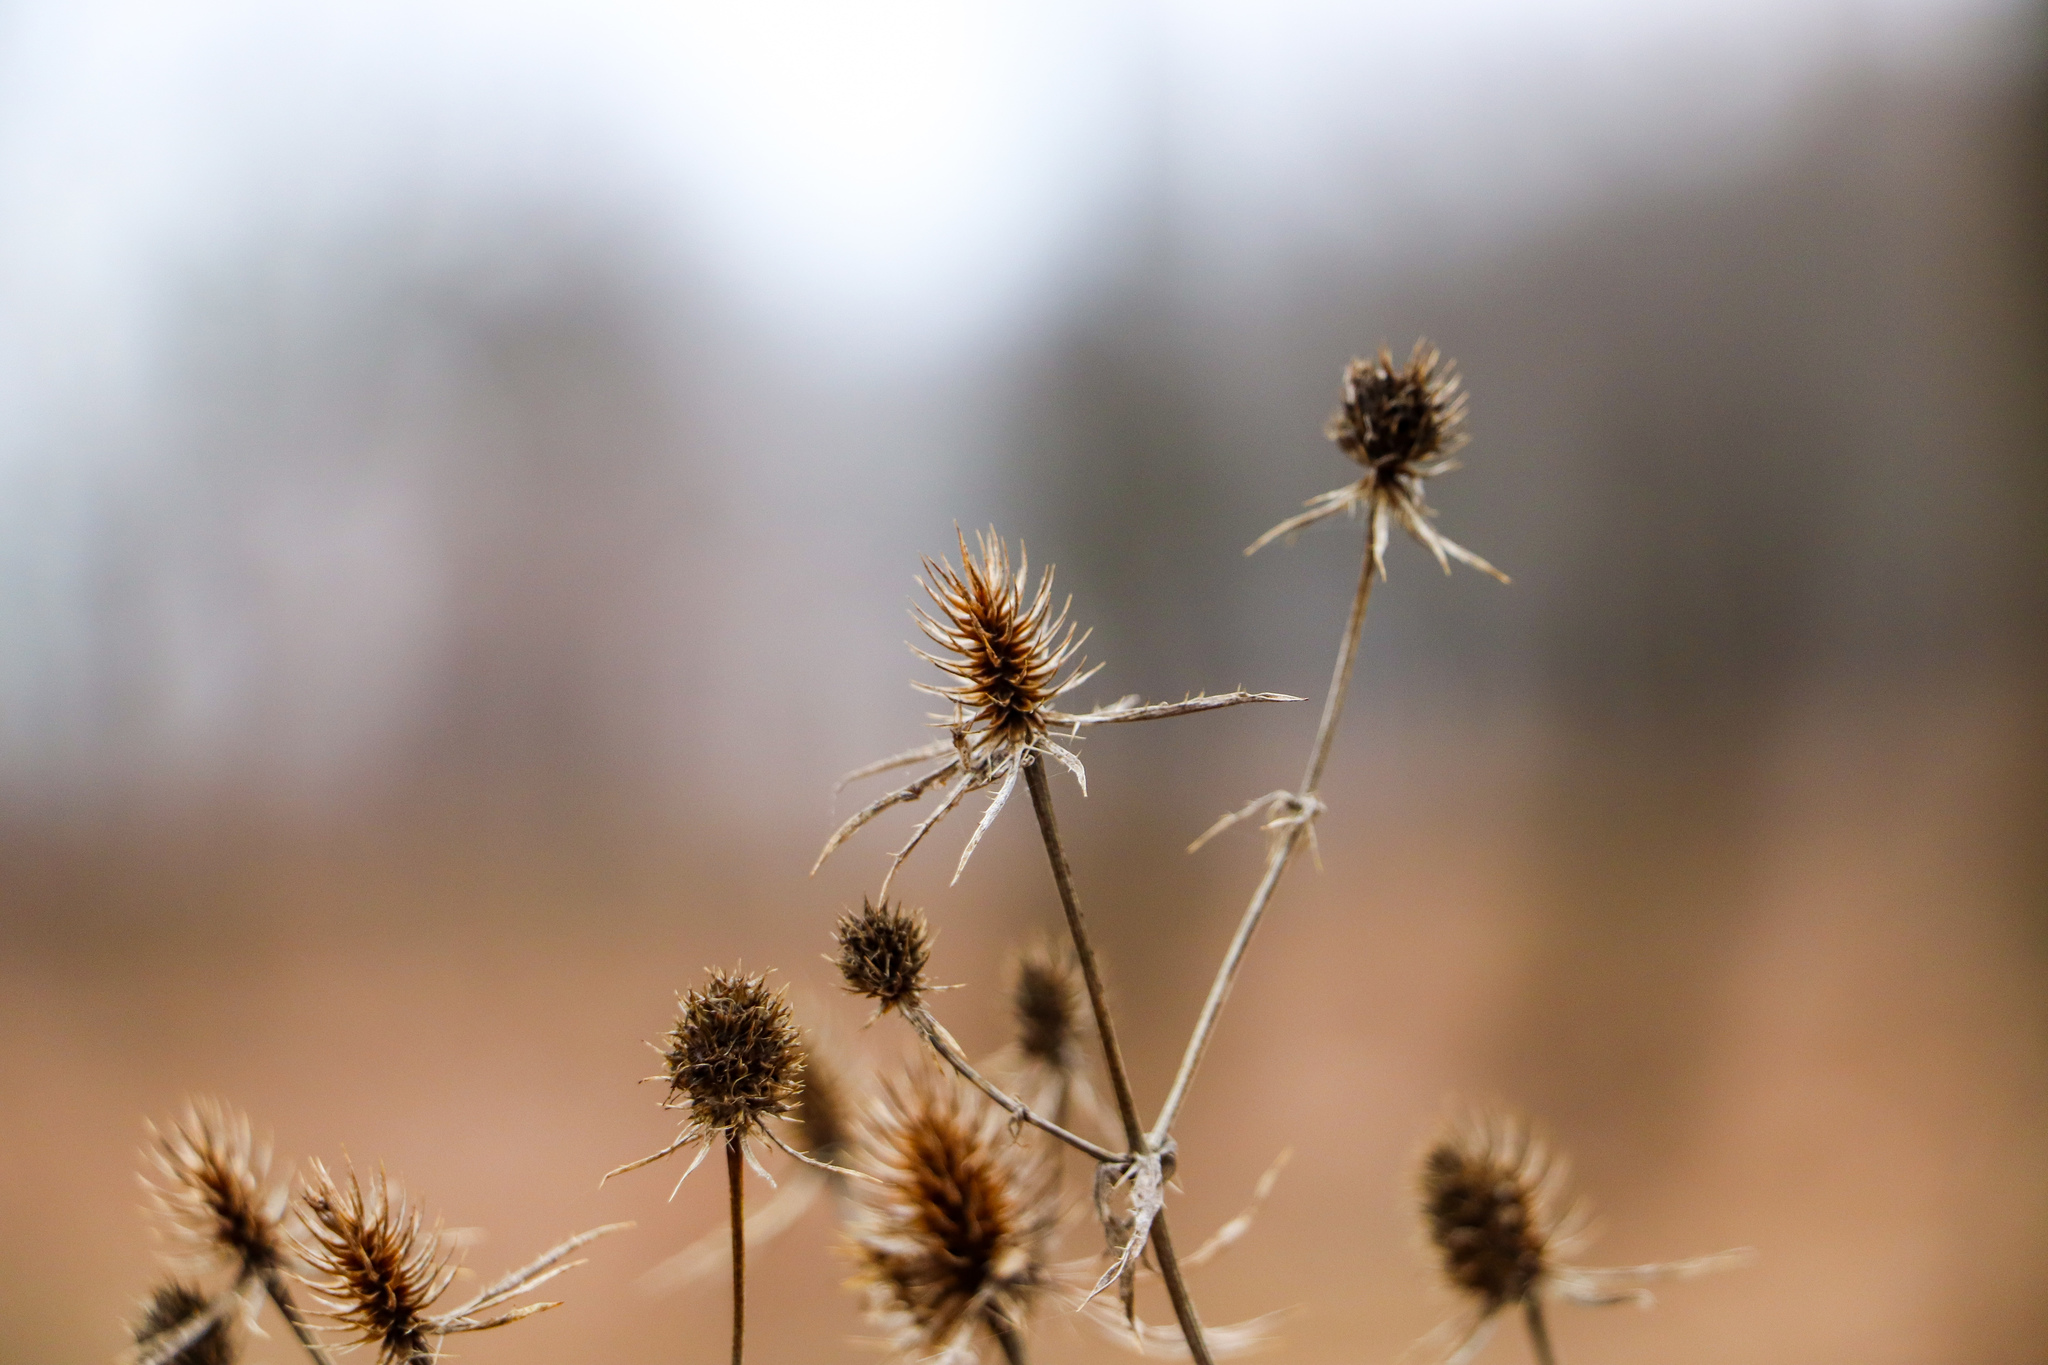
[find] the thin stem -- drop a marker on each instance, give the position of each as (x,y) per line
(734,1159)
(1112,1052)
(1007,1336)
(1539,1335)
(281,1295)
(942,1042)
(1281,854)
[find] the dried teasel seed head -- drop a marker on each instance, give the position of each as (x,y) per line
(883,951)
(211,1189)
(176,1303)
(952,1241)
(1395,420)
(733,1057)
(1046,999)
(1488,1201)
(372,1264)
(823,1111)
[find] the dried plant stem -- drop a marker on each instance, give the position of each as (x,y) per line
(734,1160)
(942,1042)
(1112,1053)
(1281,853)
(281,1295)
(1007,1337)
(1539,1335)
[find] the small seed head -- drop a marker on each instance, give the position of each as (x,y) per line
(823,1111)
(733,1057)
(1487,1202)
(176,1303)
(1398,420)
(211,1189)
(883,951)
(374,1267)
(1047,1002)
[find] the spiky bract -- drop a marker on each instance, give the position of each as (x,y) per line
(952,1242)
(176,1303)
(212,1189)
(883,951)
(733,1057)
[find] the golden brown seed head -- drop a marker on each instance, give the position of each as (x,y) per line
(375,1269)
(1488,1207)
(955,1234)
(1047,1001)
(883,951)
(1397,420)
(1007,647)
(172,1306)
(733,1057)
(211,1191)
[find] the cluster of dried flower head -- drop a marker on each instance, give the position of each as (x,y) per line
(375,1270)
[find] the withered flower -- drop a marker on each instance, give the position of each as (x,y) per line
(1494,1206)
(952,1242)
(213,1190)
(883,951)
(1402,424)
(1011,657)
(377,1270)
(732,1061)
(176,1306)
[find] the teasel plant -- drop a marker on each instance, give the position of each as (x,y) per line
(1494,1206)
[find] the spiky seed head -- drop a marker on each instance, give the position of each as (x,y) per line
(1489,1202)
(176,1303)
(823,1111)
(1046,999)
(1396,421)
(1006,643)
(956,1232)
(211,1189)
(883,951)
(733,1057)
(373,1265)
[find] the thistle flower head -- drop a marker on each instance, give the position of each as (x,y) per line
(172,1306)
(372,1264)
(952,1241)
(733,1057)
(1488,1192)
(1046,1000)
(883,951)
(211,1189)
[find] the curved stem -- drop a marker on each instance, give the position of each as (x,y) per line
(942,1042)
(734,1159)
(1112,1053)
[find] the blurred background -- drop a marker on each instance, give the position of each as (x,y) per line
(461,472)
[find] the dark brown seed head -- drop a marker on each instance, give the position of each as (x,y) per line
(1047,1002)
(733,1057)
(211,1189)
(172,1306)
(1397,420)
(1487,1202)
(823,1112)
(375,1269)
(954,1237)
(1007,648)
(883,951)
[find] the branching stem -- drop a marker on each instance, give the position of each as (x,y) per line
(942,1042)
(1112,1053)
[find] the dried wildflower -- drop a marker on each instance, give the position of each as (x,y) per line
(1046,1000)
(822,1111)
(377,1270)
(176,1308)
(1493,1204)
(952,1241)
(883,951)
(1006,649)
(1402,425)
(212,1190)
(733,1061)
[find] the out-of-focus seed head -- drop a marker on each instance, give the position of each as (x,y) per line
(1397,420)
(172,1306)
(1046,999)
(1006,647)
(1489,1203)
(373,1266)
(954,1237)
(211,1189)
(733,1057)
(883,951)
(823,1111)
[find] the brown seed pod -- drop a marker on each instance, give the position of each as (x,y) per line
(175,1304)
(212,1190)
(952,1241)
(883,951)
(1486,1199)
(373,1266)
(733,1057)
(1046,1000)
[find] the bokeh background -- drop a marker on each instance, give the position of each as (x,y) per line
(461,472)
